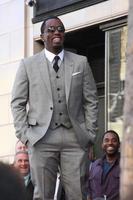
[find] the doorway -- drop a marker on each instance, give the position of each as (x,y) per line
(90,42)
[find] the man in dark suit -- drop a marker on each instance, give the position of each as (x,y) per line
(21,163)
(60,121)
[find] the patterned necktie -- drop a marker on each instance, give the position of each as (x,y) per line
(55,66)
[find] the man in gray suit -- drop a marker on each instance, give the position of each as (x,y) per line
(54,105)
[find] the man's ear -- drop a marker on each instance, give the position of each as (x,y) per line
(42,36)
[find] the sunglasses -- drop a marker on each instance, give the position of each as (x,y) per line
(52,29)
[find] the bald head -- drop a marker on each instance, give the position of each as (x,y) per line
(20,146)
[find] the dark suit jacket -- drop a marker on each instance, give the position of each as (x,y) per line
(29,191)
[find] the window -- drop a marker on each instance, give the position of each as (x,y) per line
(115,77)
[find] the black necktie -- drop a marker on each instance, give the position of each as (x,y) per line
(55,66)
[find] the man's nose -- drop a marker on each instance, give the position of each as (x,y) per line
(23,162)
(110,142)
(56,31)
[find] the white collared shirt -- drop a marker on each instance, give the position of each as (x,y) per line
(50,56)
(26,179)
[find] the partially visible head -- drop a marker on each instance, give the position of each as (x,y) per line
(11,184)
(110,142)
(20,146)
(52,33)
(21,162)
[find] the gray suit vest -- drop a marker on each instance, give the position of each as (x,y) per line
(60,113)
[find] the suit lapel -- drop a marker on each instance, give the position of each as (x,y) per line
(43,68)
(68,73)
(44,73)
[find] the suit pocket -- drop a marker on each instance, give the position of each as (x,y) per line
(77,78)
(32,121)
(81,119)
(76,74)
(76,85)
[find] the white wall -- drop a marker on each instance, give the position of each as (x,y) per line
(15,30)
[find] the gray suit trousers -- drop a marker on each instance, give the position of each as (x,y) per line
(58,148)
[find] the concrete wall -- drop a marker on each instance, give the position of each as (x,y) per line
(15,29)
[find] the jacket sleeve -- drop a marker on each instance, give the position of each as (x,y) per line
(90,101)
(19,102)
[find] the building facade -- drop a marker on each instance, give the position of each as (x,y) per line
(16,42)
(97,29)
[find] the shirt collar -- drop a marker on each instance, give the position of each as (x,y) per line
(27,176)
(50,56)
(26,179)
(101,160)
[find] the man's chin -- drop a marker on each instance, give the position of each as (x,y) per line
(57,48)
(24,173)
(111,153)
(57,45)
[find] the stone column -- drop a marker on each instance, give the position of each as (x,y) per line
(126,188)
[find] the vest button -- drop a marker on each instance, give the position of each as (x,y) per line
(51,108)
(59,101)
(56,124)
(58,89)
(57,76)
(60,114)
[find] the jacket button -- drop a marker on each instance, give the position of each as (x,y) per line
(51,108)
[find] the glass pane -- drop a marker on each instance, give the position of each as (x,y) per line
(117,40)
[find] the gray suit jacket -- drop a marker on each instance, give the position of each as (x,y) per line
(32,103)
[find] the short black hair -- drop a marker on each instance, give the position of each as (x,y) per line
(11,183)
(44,22)
(111,131)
